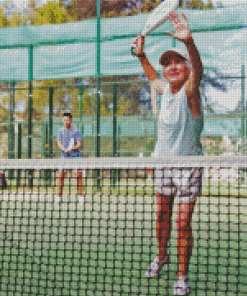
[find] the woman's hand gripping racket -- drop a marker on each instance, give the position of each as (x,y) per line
(157,17)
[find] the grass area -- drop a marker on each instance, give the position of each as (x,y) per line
(104,246)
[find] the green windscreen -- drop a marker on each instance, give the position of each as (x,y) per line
(69,50)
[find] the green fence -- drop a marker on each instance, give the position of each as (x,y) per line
(139,137)
(126,125)
(134,136)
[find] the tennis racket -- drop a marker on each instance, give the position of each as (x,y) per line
(157,17)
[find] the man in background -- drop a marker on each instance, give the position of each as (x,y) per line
(69,142)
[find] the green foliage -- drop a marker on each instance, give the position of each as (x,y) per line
(4,22)
(3,115)
(148,5)
(84,9)
(17,19)
(54,12)
(199,4)
(50,13)
(150,143)
(209,5)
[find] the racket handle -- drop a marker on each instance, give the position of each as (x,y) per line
(133,52)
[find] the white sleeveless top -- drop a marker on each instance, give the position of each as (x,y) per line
(178,132)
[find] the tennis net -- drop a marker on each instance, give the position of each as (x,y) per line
(99,236)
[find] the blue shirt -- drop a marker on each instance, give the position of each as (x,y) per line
(65,136)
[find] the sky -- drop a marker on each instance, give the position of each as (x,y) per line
(227,101)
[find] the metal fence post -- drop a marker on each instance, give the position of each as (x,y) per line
(51,92)
(98,87)
(30,112)
(243,111)
(81,91)
(11,131)
(19,148)
(114,119)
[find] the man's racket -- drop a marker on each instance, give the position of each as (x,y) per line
(157,17)
(71,144)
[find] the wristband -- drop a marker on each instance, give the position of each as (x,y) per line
(141,55)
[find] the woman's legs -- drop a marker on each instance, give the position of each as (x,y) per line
(185,237)
(163,223)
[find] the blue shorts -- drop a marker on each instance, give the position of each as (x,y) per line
(76,153)
(73,154)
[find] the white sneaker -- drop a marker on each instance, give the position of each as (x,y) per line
(181,287)
(155,267)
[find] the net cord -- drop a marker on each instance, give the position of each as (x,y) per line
(125,162)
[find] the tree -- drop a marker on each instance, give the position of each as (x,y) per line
(84,9)
(50,13)
(3,18)
(17,19)
(199,4)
